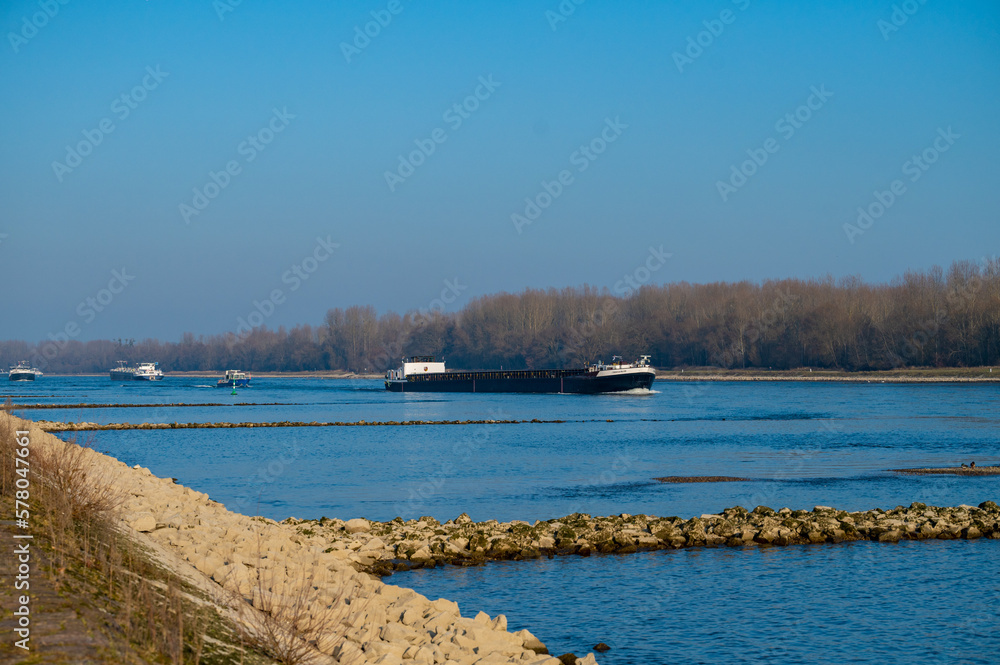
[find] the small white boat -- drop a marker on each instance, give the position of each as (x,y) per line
(234,379)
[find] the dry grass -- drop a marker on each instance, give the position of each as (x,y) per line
(79,505)
(148,614)
(75,510)
(289,619)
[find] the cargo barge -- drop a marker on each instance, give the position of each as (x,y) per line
(144,372)
(425,374)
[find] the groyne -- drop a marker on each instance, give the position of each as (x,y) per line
(83,426)
(383,547)
(988,470)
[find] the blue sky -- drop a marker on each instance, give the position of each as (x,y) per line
(673,98)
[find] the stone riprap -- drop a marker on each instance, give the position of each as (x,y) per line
(56,426)
(382,547)
(255,559)
(987,470)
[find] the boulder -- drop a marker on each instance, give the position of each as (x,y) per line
(724,528)
(971,533)
(143,522)
(531,642)
(421,555)
(357,525)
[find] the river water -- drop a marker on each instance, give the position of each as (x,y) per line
(797,444)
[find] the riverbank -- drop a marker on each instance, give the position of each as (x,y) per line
(263,577)
(425,543)
(217,374)
(906,375)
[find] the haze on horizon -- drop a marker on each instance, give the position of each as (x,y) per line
(196,157)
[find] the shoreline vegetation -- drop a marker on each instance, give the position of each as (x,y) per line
(903,375)
(932,318)
(160,571)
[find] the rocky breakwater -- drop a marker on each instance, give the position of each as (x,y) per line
(57,426)
(260,573)
(382,547)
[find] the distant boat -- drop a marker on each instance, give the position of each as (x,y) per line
(424,374)
(123,372)
(23,371)
(147,372)
(234,379)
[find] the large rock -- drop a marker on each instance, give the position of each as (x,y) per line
(531,642)
(357,525)
(144,522)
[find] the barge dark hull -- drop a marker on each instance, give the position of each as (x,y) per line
(566,384)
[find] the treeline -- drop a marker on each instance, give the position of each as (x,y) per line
(934,318)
